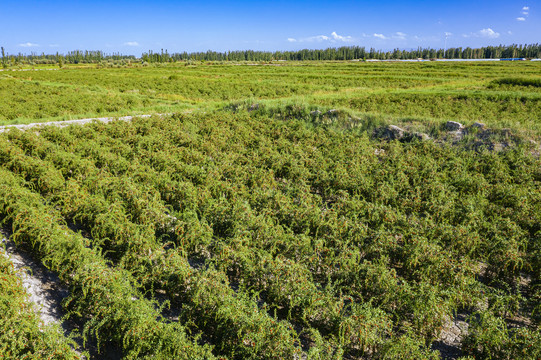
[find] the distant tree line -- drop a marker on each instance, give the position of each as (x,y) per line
(72,57)
(341,53)
(353,53)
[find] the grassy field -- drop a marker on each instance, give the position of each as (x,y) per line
(247,225)
(500,94)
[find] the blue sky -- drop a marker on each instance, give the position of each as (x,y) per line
(132,27)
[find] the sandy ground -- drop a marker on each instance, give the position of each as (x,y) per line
(449,342)
(46,291)
(42,286)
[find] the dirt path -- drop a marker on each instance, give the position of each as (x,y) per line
(72,122)
(28,69)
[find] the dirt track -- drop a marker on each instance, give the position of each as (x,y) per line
(28,69)
(71,122)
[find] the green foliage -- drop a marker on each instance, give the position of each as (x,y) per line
(518,82)
(491,338)
(23,335)
(103,297)
(407,346)
(423,94)
(276,236)
(4,62)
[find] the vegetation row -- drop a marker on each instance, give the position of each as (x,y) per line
(242,234)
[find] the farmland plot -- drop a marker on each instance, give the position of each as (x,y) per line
(236,234)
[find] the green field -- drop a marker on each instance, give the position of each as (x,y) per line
(501,94)
(250,222)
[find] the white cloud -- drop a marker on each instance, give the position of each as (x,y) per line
(510,32)
(318,38)
(337,37)
(399,35)
(526,8)
(484,33)
(489,33)
(447,34)
(131,43)
(380,36)
(521,19)
(333,38)
(28,44)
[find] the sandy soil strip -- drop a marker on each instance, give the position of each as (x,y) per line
(72,122)
(46,292)
(28,69)
(43,286)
